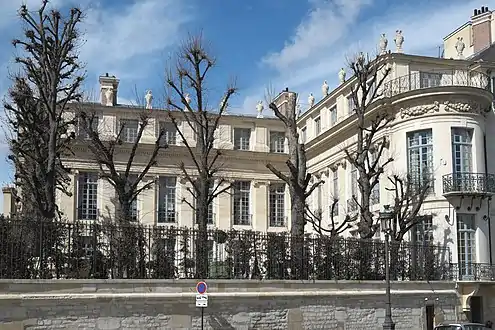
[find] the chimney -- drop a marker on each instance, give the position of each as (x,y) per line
(481,28)
(109,86)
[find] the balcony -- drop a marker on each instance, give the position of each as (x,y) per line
(423,80)
(473,272)
(468,184)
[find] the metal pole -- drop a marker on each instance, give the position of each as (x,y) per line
(388,324)
(202,318)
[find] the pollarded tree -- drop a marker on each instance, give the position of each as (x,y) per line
(48,81)
(296,176)
(187,98)
(367,156)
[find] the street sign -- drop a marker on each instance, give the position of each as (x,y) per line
(201,300)
(201,287)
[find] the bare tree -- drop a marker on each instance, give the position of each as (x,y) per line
(187,102)
(409,196)
(104,148)
(333,228)
(367,154)
(296,176)
(49,79)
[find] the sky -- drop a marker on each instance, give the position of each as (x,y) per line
(277,43)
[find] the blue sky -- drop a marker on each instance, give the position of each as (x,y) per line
(282,43)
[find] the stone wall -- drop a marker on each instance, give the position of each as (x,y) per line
(140,304)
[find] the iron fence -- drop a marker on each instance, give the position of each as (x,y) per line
(32,249)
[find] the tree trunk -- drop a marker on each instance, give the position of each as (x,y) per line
(202,234)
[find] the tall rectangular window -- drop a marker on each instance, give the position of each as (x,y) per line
(277,205)
(169,133)
(420,157)
(167,187)
(430,79)
(336,192)
(466,244)
(462,152)
(240,203)
(351,105)
(351,203)
(303,135)
(129,129)
(82,132)
(277,142)
(134,208)
(424,231)
(317,123)
(241,138)
(375,193)
(87,196)
(333,115)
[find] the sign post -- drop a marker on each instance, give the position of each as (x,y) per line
(202,299)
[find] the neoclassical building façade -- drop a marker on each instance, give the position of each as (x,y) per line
(444,126)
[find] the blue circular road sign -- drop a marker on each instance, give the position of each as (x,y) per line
(201,287)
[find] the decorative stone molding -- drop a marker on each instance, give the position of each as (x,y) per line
(183,180)
(464,106)
(258,184)
(419,110)
(340,163)
(324,172)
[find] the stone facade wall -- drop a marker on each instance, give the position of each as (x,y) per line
(244,305)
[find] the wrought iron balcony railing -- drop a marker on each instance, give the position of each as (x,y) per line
(421,80)
(473,272)
(468,183)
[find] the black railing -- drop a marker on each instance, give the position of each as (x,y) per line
(420,80)
(474,183)
(473,272)
(33,249)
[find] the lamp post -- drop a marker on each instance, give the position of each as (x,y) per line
(386,221)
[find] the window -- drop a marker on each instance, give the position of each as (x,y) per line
(277,142)
(87,196)
(167,200)
(375,193)
(241,138)
(317,122)
(82,132)
(319,198)
(336,192)
(130,128)
(350,104)
(420,157)
(354,183)
(241,201)
(169,133)
(351,203)
(211,215)
(303,135)
(466,244)
(333,115)
(134,210)
(424,231)
(428,79)
(462,150)
(277,205)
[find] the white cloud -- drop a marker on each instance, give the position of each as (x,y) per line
(306,61)
(116,36)
(325,24)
